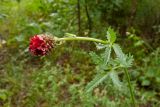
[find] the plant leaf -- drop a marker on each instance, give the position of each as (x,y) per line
(120,55)
(115,79)
(96,81)
(111,35)
(95,58)
(118,51)
(124,60)
(107,54)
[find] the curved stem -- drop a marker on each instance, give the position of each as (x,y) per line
(83,38)
(130,87)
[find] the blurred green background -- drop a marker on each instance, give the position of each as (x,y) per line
(59,79)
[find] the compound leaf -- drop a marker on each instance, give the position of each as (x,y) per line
(96,81)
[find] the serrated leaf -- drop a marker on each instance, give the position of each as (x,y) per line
(129,60)
(115,79)
(118,51)
(96,81)
(120,55)
(124,60)
(111,35)
(107,54)
(95,58)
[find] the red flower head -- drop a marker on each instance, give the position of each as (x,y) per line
(41,44)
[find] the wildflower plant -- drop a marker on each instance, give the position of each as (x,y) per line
(108,62)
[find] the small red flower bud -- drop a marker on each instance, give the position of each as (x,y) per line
(41,44)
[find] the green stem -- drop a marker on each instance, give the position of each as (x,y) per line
(83,38)
(130,87)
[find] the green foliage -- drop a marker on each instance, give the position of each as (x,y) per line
(149,73)
(107,65)
(115,79)
(111,35)
(60,79)
(3,95)
(96,81)
(125,61)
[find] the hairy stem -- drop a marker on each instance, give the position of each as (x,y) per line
(83,39)
(130,87)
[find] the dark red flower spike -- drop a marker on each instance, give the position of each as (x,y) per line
(40,45)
